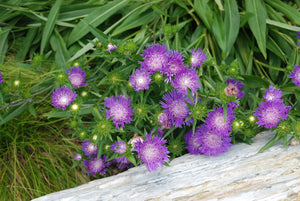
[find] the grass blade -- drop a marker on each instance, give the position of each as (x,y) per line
(232,23)
(50,24)
(26,44)
(3,44)
(13,113)
(95,19)
(257,23)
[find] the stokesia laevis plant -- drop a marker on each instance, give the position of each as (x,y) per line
(147,108)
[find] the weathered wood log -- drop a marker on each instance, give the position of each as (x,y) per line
(240,174)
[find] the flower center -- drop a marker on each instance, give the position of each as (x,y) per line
(219,121)
(97,165)
(213,141)
(119,112)
(76,79)
(140,81)
(272,115)
(150,152)
(179,109)
(185,82)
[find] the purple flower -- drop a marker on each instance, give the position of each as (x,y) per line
(122,162)
(77,157)
(110,47)
(269,113)
(152,152)
(197,58)
(94,165)
(273,94)
(175,107)
(185,80)
(155,58)
(212,143)
(295,76)
(192,141)
(175,65)
(76,77)
(234,87)
(89,148)
(216,122)
(164,121)
(118,147)
(1,79)
(63,97)
(299,37)
(119,109)
(140,79)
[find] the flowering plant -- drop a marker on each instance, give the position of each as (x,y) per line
(149,106)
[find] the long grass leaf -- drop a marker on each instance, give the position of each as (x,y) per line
(232,23)
(257,23)
(95,19)
(283,25)
(13,113)
(3,44)
(49,26)
(26,44)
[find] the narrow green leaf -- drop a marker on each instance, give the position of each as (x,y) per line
(292,13)
(3,43)
(257,23)
(49,26)
(13,113)
(283,25)
(218,29)
(61,52)
(204,12)
(270,143)
(95,18)
(102,37)
(232,23)
(32,110)
(26,44)
(254,82)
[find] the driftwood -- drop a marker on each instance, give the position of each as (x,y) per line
(240,174)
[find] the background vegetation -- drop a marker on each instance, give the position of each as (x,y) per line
(41,39)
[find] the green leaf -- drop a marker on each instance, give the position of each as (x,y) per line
(218,29)
(61,52)
(26,44)
(292,13)
(32,110)
(254,82)
(283,25)
(257,23)
(204,12)
(232,23)
(95,18)
(102,37)
(3,43)
(270,143)
(50,24)
(13,113)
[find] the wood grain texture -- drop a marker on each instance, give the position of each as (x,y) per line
(240,174)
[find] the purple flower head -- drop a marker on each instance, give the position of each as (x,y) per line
(175,107)
(185,80)
(155,58)
(118,147)
(1,79)
(299,37)
(269,113)
(63,97)
(192,141)
(122,162)
(273,94)
(76,77)
(77,157)
(212,143)
(110,47)
(140,79)
(94,165)
(235,85)
(197,58)
(164,121)
(119,109)
(295,76)
(216,122)
(152,152)
(175,65)
(89,148)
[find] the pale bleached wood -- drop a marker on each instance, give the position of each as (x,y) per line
(240,174)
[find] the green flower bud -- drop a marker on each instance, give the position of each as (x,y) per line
(284,128)
(104,127)
(82,135)
(296,128)
(141,110)
(176,146)
(73,124)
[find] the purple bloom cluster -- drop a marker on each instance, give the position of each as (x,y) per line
(192,141)
(272,110)
(197,58)
(119,110)
(174,66)
(185,80)
(94,165)
(76,77)
(89,148)
(215,121)
(120,148)
(1,79)
(234,88)
(140,79)
(295,75)
(63,97)
(152,151)
(175,107)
